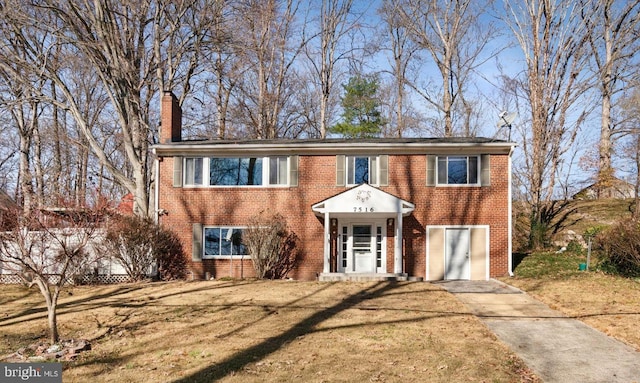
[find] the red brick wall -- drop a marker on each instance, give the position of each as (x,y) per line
(407,179)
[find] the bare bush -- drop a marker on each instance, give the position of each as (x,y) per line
(621,245)
(271,245)
(139,244)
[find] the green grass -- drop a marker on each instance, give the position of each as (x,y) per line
(550,265)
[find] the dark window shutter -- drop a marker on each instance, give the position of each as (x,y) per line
(177,172)
(384,169)
(431,170)
(340,176)
(293,171)
(197,242)
(485,170)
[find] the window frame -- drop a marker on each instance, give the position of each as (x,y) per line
(350,167)
(188,177)
(265,175)
(261,176)
(220,247)
(478,171)
(286,170)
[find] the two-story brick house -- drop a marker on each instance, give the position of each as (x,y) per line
(432,208)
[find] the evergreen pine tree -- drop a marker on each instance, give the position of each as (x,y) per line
(360,117)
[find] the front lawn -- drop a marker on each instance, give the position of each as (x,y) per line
(256,331)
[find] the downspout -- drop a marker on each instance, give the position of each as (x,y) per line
(510,216)
(156,213)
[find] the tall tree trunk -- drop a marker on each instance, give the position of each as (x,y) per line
(38,167)
(636,213)
(56,173)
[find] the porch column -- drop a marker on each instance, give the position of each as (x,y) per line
(397,245)
(327,243)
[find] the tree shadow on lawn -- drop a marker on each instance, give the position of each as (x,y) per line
(38,310)
(242,358)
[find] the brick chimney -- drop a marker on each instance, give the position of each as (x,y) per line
(171,121)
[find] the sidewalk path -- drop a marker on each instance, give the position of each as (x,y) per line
(556,348)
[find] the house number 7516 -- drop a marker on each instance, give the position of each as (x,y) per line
(362,209)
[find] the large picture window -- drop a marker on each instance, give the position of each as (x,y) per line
(223,242)
(240,171)
(458,170)
(235,171)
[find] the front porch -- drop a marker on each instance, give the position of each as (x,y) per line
(363,234)
(367,277)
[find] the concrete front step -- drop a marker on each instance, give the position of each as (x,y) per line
(366,277)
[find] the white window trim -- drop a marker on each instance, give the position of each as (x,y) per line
(204,241)
(206,178)
(478,171)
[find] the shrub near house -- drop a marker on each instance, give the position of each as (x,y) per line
(434,208)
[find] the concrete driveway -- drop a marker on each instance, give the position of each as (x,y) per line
(556,348)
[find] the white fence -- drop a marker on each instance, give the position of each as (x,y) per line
(96,268)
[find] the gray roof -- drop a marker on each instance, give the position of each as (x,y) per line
(330,141)
(328,146)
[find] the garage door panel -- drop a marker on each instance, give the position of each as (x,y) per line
(436,254)
(479,253)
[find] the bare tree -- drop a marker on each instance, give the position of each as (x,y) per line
(402,50)
(334,24)
(614,27)
(24,109)
(133,47)
(224,61)
(631,131)
(268,31)
(50,251)
(452,34)
(552,39)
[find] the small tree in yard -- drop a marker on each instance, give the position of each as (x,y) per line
(271,245)
(51,252)
(139,244)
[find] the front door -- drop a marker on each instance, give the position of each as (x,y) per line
(457,265)
(362,248)
(363,260)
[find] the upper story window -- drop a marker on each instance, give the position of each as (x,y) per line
(278,170)
(355,170)
(362,170)
(458,170)
(193,171)
(241,171)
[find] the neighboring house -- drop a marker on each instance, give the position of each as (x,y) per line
(8,209)
(432,208)
(616,188)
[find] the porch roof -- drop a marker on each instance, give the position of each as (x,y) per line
(364,198)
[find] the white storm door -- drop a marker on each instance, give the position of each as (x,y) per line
(457,262)
(362,249)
